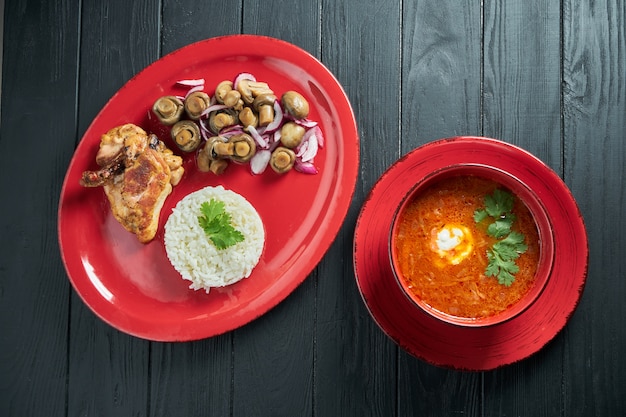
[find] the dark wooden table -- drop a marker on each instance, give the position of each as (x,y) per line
(548,76)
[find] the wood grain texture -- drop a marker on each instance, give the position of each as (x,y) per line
(184,22)
(1,45)
(441,71)
(272,358)
(108,370)
(355,363)
(521,95)
(192,378)
(521,105)
(295,22)
(118,41)
(441,91)
(594,98)
(37,121)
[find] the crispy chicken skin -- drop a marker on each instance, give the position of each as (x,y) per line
(138,194)
(113,142)
(137,174)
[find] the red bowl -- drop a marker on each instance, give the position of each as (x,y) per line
(538,212)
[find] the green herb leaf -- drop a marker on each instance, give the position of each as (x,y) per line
(480,215)
(215,221)
(505,277)
(514,239)
(500,227)
(502,254)
(499,203)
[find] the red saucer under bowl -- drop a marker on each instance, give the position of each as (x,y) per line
(466,347)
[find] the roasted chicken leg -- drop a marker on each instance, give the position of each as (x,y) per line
(137,174)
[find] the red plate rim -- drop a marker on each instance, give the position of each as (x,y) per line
(341,184)
(457,347)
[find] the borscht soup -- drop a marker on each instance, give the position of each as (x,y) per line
(466,246)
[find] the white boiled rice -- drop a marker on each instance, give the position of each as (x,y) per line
(192,253)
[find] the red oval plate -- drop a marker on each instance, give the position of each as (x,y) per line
(459,347)
(132,286)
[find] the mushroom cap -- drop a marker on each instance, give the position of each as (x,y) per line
(291,134)
(168,109)
(265,99)
(221,119)
(186,135)
(295,104)
(218,166)
(282,159)
(217,147)
(244,147)
(250,89)
(196,103)
(264,105)
(232,98)
(203,158)
(247,117)
(222,89)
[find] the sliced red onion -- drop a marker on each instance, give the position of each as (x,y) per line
(260,140)
(273,146)
(259,161)
(276,136)
(230,134)
(231,130)
(319,135)
(243,76)
(204,131)
(193,90)
(305,167)
(301,149)
(307,134)
(191,82)
(311,149)
(214,107)
(305,123)
(316,133)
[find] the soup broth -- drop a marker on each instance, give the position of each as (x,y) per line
(442,252)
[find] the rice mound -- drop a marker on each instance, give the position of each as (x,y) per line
(192,253)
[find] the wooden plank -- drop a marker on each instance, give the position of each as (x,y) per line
(440,98)
(108,370)
(521,105)
(185,22)
(187,377)
(441,71)
(295,22)
(355,363)
(521,97)
(37,127)
(594,100)
(273,355)
(273,358)
(193,377)
(1,44)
